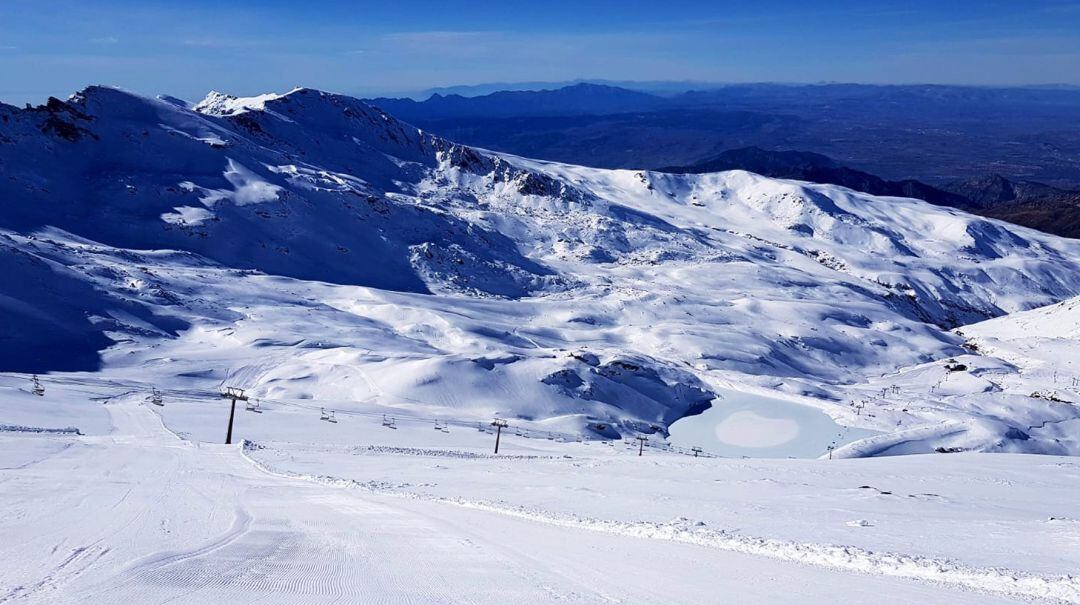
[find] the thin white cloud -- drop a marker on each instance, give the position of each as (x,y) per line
(459,45)
(220,43)
(436,38)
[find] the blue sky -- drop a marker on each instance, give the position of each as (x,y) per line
(247,47)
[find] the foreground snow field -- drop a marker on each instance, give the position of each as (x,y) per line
(336,514)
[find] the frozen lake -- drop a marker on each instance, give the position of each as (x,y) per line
(745,424)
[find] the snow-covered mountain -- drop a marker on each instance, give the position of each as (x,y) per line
(309,246)
(1014,389)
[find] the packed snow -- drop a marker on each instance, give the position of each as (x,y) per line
(382,294)
(148,506)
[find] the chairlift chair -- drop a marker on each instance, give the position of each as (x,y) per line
(323,415)
(156,398)
(234,393)
(331,417)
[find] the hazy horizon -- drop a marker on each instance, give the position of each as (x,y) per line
(658,87)
(369,49)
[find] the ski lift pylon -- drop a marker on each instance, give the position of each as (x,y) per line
(38,389)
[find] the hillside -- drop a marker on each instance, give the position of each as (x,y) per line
(1049,209)
(1036,339)
(310,247)
(1026,203)
(816,168)
(1014,385)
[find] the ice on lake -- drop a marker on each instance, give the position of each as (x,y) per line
(746,424)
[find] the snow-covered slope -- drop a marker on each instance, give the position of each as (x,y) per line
(1058,323)
(1016,388)
(308,246)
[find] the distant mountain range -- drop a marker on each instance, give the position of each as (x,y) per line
(579,99)
(1009,153)
(1025,203)
(934,134)
(660,87)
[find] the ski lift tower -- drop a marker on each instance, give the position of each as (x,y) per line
(697,451)
(37,389)
(641,444)
(499,425)
(236,395)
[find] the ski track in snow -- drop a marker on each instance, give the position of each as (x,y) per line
(287,538)
(1003,581)
(14,428)
(294,558)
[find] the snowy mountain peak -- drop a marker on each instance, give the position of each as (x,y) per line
(109,99)
(314,121)
(221,104)
(100,90)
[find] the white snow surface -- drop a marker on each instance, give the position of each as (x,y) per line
(341,265)
(142,507)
